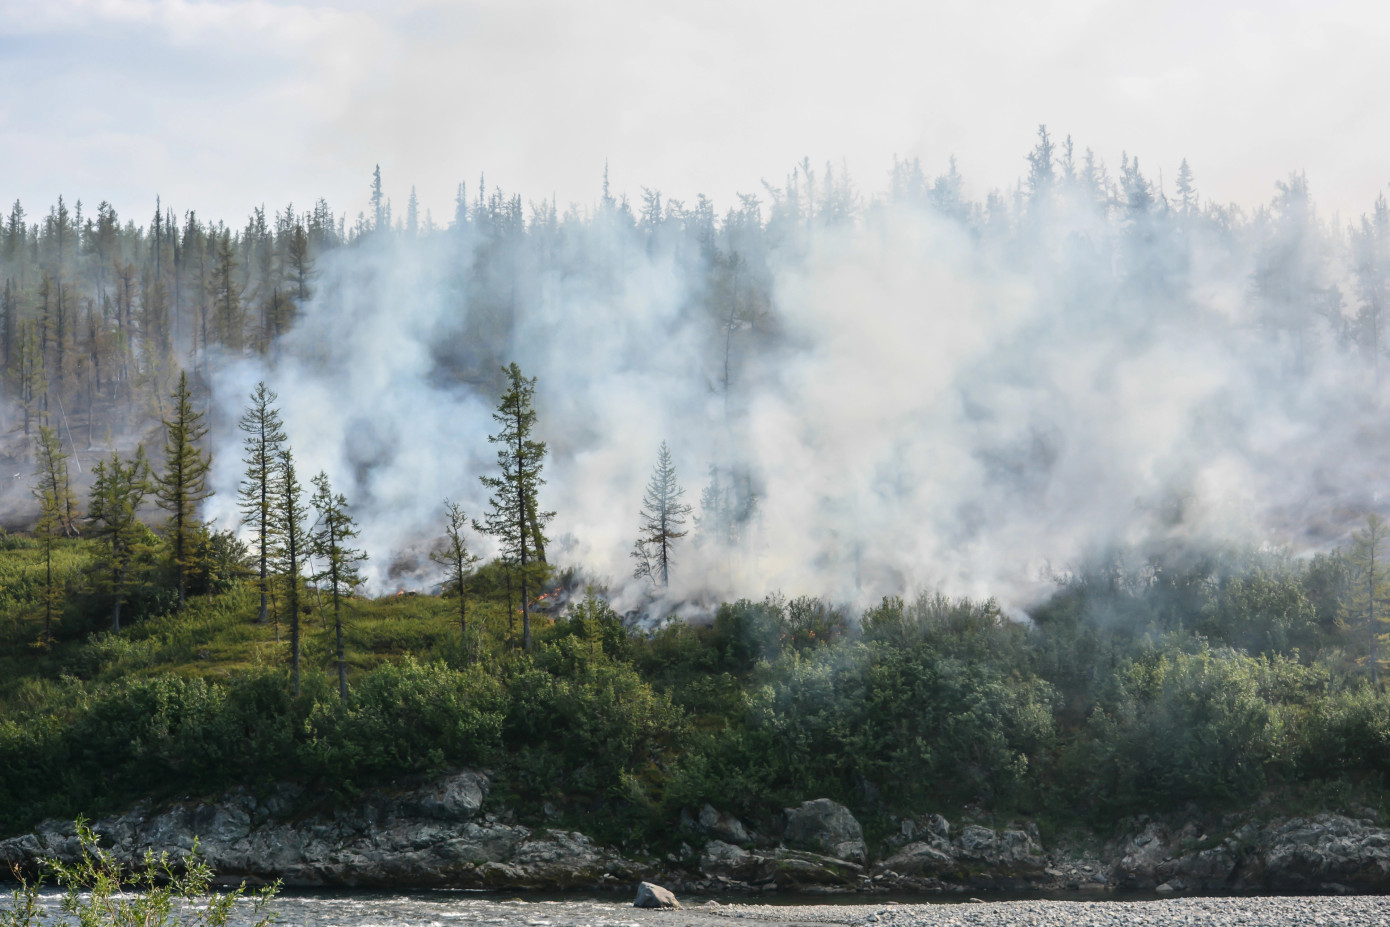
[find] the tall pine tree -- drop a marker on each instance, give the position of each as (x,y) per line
(183,485)
(56,510)
(459,560)
(1366,609)
(265,435)
(661,523)
(513,516)
(291,545)
(329,543)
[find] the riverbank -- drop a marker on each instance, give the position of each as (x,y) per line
(1269,911)
(433,908)
(447,833)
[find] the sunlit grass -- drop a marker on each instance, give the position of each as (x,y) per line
(216,637)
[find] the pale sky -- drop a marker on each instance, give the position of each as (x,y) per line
(225,104)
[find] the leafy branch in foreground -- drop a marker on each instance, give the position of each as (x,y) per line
(162,892)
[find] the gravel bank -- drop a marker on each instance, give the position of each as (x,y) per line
(1319,911)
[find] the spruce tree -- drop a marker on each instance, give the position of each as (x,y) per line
(459,560)
(33,384)
(513,516)
(291,545)
(661,523)
(1370,586)
(226,293)
(265,435)
(119,489)
(183,485)
(336,528)
(56,504)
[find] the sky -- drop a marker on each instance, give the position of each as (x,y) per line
(223,105)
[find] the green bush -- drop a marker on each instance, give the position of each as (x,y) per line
(1178,727)
(404,717)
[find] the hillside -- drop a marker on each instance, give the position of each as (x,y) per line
(1226,683)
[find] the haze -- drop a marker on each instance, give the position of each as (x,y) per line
(217,106)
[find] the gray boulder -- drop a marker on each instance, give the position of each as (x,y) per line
(723,826)
(798,870)
(725,861)
(650,895)
(456,798)
(1010,849)
(823,826)
(921,859)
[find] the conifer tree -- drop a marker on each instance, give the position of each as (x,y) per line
(183,484)
(33,385)
(459,560)
(336,528)
(1370,587)
(265,435)
(1186,189)
(226,293)
(380,219)
(661,523)
(291,546)
(513,516)
(56,505)
(301,265)
(119,489)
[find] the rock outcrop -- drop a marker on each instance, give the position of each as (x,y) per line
(723,826)
(435,836)
(446,834)
(1326,852)
(825,827)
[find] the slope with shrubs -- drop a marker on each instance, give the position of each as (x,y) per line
(1149,690)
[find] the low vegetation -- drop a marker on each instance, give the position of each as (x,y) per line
(1232,680)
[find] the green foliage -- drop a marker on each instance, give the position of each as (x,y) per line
(404,716)
(1179,727)
(1343,732)
(181,486)
(514,516)
(1130,691)
(218,561)
(264,436)
(847,722)
(1263,612)
(101,892)
(1366,609)
(118,490)
(593,715)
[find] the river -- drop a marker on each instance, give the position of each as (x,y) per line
(447,909)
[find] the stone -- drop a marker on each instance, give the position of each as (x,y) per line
(456,798)
(920,859)
(724,860)
(802,871)
(824,826)
(651,895)
(723,825)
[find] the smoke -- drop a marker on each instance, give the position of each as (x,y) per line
(969,398)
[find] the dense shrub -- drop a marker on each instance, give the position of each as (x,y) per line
(1178,727)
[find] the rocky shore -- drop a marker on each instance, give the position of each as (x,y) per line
(447,834)
(1268,911)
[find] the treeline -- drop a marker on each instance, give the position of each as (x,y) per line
(98,315)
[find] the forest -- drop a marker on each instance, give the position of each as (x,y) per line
(1062,502)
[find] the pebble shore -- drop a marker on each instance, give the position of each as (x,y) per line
(1318,911)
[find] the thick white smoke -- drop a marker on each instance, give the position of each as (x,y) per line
(922,402)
